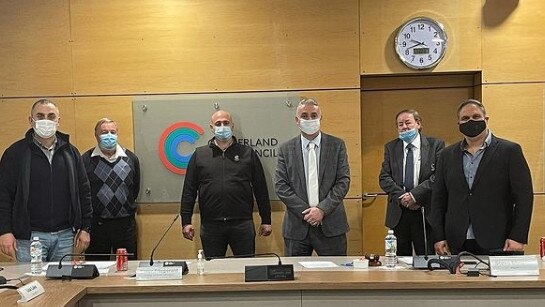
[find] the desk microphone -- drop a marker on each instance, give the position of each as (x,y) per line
(159,242)
(419,261)
(263,272)
(78,271)
(82,254)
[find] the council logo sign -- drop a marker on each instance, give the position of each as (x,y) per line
(171,139)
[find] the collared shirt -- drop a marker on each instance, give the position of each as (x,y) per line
(471,164)
(304,147)
(119,152)
(48,152)
(416,157)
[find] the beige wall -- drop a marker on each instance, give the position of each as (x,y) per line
(93,56)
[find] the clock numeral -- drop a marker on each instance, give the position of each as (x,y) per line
(421,26)
(435,50)
(438,44)
(407,35)
(435,34)
(429,57)
(412,58)
(404,44)
(421,60)
(407,52)
(413,29)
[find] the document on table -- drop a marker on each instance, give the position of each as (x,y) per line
(405,259)
(318,264)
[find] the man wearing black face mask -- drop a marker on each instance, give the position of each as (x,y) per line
(482,198)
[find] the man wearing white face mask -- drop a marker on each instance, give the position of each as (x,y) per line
(44,191)
(312,178)
(226,176)
(406,175)
(114,174)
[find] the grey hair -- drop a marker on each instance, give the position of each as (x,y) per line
(101,121)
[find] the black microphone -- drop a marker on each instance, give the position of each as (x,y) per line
(263,272)
(82,254)
(164,234)
(419,261)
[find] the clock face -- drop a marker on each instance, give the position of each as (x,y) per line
(421,43)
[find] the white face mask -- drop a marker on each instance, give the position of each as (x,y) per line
(309,126)
(45,128)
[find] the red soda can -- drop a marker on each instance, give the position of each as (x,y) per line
(542,247)
(122,260)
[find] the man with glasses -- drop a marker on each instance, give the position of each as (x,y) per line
(44,191)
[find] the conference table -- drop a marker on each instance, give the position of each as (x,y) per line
(223,285)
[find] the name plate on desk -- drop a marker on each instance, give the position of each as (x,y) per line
(159,272)
(514,265)
(30,291)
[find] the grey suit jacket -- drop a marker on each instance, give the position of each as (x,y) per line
(391,175)
(333,181)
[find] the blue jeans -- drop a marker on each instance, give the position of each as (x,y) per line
(54,245)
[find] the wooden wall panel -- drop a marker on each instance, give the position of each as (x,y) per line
(35,50)
(438,110)
(17,112)
(537,227)
(90,109)
(381,19)
(517,113)
(206,46)
(513,41)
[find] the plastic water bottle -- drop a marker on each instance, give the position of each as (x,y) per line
(390,249)
(200,262)
(36,256)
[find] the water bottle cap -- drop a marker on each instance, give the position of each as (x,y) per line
(390,231)
(36,238)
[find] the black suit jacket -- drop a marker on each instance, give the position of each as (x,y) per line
(391,175)
(499,204)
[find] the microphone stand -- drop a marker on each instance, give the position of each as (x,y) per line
(160,240)
(252,273)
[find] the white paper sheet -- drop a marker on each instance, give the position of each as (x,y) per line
(318,264)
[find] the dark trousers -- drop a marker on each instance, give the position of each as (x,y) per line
(410,233)
(316,241)
(470,245)
(109,235)
(237,234)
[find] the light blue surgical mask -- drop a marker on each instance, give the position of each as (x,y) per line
(223,133)
(108,141)
(408,135)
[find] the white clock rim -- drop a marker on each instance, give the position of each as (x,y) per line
(445,42)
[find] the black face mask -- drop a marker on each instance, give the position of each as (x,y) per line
(472,128)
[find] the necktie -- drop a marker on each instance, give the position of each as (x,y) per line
(409,169)
(312,184)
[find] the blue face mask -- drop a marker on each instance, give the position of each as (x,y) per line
(409,135)
(223,133)
(108,141)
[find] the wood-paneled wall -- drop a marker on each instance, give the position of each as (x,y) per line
(91,57)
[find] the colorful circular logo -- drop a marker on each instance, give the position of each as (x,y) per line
(171,139)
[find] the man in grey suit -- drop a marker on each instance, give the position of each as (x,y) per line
(312,179)
(406,175)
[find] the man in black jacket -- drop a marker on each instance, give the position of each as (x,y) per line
(482,197)
(409,191)
(226,176)
(44,191)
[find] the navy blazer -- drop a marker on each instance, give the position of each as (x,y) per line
(498,205)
